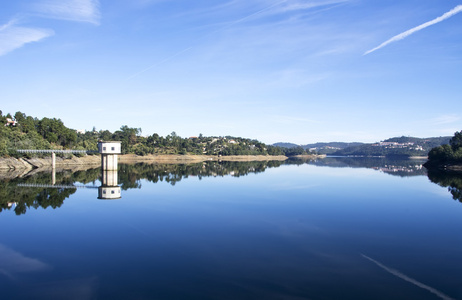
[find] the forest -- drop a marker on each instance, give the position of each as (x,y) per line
(26,132)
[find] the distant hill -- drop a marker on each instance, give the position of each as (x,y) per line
(321,148)
(396,146)
(330,148)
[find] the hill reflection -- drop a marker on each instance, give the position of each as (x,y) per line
(394,167)
(18,198)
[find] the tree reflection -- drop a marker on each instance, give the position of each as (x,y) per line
(53,198)
(23,199)
(451,180)
(129,177)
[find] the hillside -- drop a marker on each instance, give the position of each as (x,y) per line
(320,148)
(397,146)
(26,132)
(330,148)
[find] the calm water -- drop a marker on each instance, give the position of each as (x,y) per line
(332,229)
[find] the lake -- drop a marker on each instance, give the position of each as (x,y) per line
(335,228)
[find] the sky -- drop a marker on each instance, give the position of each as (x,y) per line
(295,71)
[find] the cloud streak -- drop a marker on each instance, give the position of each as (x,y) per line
(8,25)
(407,33)
(446,119)
(271,8)
(70,10)
(409,279)
(13,262)
(296,5)
(13,37)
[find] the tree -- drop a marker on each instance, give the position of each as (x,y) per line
(130,134)
(456,141)
(441,153)
(105,135)
(19,116)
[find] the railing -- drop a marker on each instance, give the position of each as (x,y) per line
(56,186)
(54,151)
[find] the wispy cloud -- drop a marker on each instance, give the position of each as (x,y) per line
(407,33)
(13,37)
(13,262)
(71,10)
(246,14)
(409,279)
(10,23)
(303,5)
(446,119)
(283,7)
(159,63)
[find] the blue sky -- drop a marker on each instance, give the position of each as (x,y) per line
(294,71)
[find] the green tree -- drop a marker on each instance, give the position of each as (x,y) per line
(456,141)
(105,135)
(441,153)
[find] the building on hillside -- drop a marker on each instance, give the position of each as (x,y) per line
(11,122)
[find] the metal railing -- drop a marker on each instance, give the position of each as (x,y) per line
(54,151)
(56,186)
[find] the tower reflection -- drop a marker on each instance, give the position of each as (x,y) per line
(109,190)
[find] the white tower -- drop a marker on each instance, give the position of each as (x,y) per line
(109,152)
(109,188)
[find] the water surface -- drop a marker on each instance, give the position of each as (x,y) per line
(330,229)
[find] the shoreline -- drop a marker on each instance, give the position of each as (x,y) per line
(10,163)
(309,156)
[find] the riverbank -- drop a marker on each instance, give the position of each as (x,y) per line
(10,163)
(174,159)
(310,156)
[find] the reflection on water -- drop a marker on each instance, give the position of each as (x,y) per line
(297,230)
(451,180)
(395,167)
(130,176)
(109,189)
(35,190)
(20,199)
(14,195)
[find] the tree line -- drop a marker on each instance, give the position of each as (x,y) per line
(51,133)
